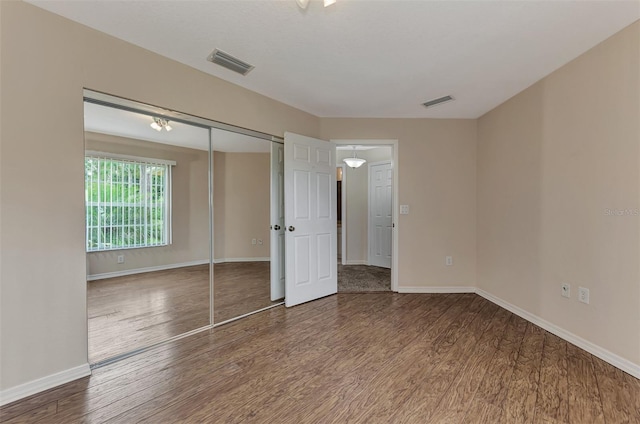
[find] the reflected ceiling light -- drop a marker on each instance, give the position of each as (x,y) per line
(354,162)
(159,123)
(329,2)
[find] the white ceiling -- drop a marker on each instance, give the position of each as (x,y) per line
(118,122)
(362,58)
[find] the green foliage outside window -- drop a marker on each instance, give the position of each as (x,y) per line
(125,204)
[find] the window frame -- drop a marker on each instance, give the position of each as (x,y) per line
(168,196)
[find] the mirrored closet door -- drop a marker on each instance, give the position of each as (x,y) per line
(179,231)
(147,229)
(242,228)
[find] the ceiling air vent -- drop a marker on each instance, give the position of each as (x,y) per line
(227,61)
(434,102)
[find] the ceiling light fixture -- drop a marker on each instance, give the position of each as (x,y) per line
(354,162)
(159,123)
(303,4)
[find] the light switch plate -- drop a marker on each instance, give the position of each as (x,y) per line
(404,209)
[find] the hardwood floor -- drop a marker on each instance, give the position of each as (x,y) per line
(135,311)
(353,358)
(240,288)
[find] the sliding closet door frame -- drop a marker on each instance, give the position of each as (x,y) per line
(104,99)
(211,228)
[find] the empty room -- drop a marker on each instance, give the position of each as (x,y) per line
(314,211)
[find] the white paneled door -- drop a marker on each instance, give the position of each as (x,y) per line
(277,221)
(310,219)
(380,214)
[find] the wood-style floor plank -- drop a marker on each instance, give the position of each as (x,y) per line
(495,385)
(615,393)
(308,361)
(162,384)
(352,358)
(585,404)
(634,394)
(134,311)
(359,373)
(552,403)
(447,357)
(523,390)
(457,399)
(303,350)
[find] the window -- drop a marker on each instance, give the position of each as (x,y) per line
(128,202)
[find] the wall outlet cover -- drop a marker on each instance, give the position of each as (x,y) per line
(583,295)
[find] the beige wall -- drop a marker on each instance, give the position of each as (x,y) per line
(241,203)
(357,202)
(551,161)
(46,62)
(437,179)
(190,206)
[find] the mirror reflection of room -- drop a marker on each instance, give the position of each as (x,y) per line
(364,219)
(147,230)
(242,199)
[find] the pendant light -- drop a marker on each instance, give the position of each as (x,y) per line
(354,162)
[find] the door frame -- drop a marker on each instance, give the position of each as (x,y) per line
(343,207)
(393,196)
(276,246)
(393,143)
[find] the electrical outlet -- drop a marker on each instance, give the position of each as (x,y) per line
(448,260)
(566,290)
(253,241)
(260,242)
(120,259)
(583,295)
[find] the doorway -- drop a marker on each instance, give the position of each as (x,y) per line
(368,216)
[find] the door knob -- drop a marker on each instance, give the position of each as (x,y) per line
(292,228)
(276,227)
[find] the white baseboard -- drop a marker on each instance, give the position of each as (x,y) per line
(445,289)
(358,262)
(607,356)
(41,384)
(124,272)
(223,260)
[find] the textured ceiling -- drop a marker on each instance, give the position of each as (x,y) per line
(367,58)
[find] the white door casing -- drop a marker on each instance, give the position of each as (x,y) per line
(277,221)
(342,242)
(310,219)
(380,213)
